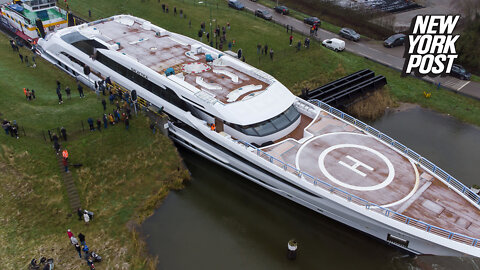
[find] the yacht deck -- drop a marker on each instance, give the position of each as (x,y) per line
(348,158)
(160,51)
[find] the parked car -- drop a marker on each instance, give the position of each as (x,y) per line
(282,10)
(312,21)
(349,34)
(334,44)
(263,13)
(236,4)
(460,72)
(395,40)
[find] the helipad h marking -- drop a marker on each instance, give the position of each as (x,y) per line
(388,180)
(355,166)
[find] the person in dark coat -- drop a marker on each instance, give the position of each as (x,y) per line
(80,91)
(127,123)
(59,94)
(77,247)
(266,49)
(105,121)
(21,57)
(14,131)
(6,126)
(67,90)
(64,133)
(99,124)
(104,103)
(56,146)
(90,123)
(32,94)
(80,214)
(81,237)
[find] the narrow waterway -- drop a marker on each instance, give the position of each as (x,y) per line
(223,221)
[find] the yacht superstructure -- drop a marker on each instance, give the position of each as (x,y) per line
(307,152)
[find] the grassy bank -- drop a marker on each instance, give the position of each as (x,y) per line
(125,174)
(317,65)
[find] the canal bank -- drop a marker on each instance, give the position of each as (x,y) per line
(223,221)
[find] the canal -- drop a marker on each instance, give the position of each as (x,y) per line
(223,221)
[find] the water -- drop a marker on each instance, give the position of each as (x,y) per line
(223,221)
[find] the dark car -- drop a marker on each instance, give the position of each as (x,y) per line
(349,34)
(263,13)
(235,4)
(312,21)
(460,72)
(395,40)
(282,10)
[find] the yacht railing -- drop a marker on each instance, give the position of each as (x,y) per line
(369,205)
(452,182)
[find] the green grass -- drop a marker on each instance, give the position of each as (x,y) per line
(317,64)
(475,78)
(124,176)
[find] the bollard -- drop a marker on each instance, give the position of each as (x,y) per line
(292,249)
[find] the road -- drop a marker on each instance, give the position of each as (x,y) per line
(373,50)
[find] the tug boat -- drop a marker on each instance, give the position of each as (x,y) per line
(32,19)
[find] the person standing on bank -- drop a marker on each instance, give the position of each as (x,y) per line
(21,57)
(127,123)
(63,131)
(81,237)
(80,215)
(271,54)
(104,104)
(86,217)
(99,124)
(65,165)
(291,40)
(105,121)
(67,90)
(59,94)
(32,93)
(69,233)
(90,123)
(80,90)
(77,247)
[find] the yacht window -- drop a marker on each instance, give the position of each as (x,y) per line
(265,128)
(250,131)
(292,113)
(270,126)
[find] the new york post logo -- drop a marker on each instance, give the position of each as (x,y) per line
(430,47)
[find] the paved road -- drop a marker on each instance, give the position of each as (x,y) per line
(374,50)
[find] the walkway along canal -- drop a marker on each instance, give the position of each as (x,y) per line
(222,221)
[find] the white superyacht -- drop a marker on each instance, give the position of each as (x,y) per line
(245,120)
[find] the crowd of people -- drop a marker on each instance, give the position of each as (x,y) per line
(24,58)
(122,107)
(80,246)
(11,128)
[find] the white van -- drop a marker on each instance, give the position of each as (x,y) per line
(334,44)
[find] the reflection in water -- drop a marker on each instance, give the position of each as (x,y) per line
(223,221)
